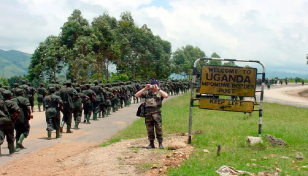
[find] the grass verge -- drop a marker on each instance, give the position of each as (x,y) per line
(229,130)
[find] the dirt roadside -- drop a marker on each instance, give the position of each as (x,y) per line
(72,155)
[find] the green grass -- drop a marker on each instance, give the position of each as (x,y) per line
(230,129)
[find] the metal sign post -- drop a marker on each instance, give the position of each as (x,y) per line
(230,81)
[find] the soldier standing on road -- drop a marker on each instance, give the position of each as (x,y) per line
(153,102)
(53,106)
(22,125)
(10,114)
(68,96)
(41,93)
(32,92)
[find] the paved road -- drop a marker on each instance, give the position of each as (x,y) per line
(277,94)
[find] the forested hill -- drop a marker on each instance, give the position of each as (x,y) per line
(13,63)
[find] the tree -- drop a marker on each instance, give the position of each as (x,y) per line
(183,59)
(215,62)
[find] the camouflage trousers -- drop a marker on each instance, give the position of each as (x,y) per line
(22,128)
(96,108)
(77,114)
(9,133)
(154,121)
(52,119)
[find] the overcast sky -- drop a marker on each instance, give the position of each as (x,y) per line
(274,32)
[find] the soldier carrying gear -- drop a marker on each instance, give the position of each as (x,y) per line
(10,113)
(87,105)
(41,93)
(32,92)
(78,107)
(153,102)
(98,99)
(68,95)
(22,125)
(53,106)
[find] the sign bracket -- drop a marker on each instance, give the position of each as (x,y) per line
(193,87)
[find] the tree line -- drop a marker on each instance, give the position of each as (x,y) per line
(86,50)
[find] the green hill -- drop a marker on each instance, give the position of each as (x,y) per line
(14,63)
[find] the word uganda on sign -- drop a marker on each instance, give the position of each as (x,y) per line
(233,81)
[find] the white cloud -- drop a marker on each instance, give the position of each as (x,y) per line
(271,31)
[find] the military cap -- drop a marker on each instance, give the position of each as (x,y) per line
(42,84)
(16,84)
(24,81)
(6,93)
(95,81)
(29,84)
(51,89)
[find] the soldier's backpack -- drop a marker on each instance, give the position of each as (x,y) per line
(67,99)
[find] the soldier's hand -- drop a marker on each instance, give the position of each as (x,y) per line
(147,86)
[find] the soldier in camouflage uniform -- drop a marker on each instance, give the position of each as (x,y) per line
(10,113)
(53,106)
(32,92)
(153,102)
(25,88)
(98,99)
(41,93)
(68,96)
(22,125)
(87,105)
(78,107)
(16,86)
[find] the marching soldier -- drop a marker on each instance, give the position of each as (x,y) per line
(41,93)
(53,105)
(32,92)
(9,113)
(87,105)
(78,106)
(68,96)
(98,99)
(22,125)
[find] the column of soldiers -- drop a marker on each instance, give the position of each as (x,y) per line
(71,99)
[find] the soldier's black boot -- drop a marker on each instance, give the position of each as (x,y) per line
(58,135)
(39,107)
(68,130)
(48,135)
(12,148)
(32,109)
(95,117)
(151,145)
(160,143)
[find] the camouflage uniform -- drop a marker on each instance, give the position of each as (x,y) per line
(98,99)
(8,108)
(87,105)
(78,107)
(53,104)
(153,119)
(68,95)
(22,125)
(32,91)
(41,92)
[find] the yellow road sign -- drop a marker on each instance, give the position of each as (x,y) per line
(226,105)
(233,81)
